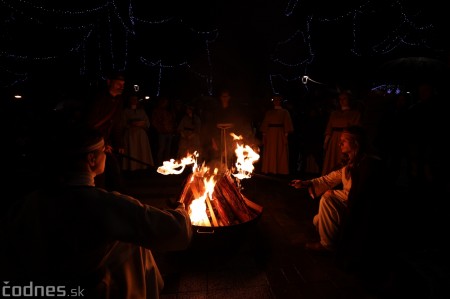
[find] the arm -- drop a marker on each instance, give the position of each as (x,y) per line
(148,226)
(320,185)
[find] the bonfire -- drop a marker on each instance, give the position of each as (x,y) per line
(214,198)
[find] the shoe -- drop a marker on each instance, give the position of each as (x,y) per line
(317,247)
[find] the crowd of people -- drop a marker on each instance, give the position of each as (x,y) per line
(292,139)
(355,150)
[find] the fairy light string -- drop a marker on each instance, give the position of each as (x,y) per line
(103,34)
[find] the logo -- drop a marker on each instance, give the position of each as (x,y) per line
(37,290)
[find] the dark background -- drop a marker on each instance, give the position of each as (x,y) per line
(54,49)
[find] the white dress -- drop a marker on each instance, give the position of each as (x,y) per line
(137,144)
(333,205)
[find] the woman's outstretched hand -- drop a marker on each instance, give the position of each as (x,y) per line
(297,184)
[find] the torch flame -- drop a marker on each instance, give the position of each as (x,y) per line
(246,157)
(175,167)
(236,137)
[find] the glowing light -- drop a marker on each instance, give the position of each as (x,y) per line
(176,167)
(205,182)
(236,137)
(246,157)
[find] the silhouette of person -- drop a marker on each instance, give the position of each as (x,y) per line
(73,232)
(137,144)
(163,120)
(189,130)
(276,127)
(105,114)
(227,117)
(345,116)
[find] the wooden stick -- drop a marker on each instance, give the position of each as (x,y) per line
(211,211)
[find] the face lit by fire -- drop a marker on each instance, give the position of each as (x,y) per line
(116,87)
(346,143)
(225,98)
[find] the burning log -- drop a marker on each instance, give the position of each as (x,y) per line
(227,205)
(193,188)
(225,212)
(227,189)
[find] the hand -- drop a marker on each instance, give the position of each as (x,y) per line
(172,203)
(108,149)
(297,184)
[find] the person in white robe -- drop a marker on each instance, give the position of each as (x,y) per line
(350,197)
(138,152)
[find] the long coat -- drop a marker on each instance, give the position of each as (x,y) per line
(275,127)
(137,143)
(337,121)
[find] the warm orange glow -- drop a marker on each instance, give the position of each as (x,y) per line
(200,209)
(197,212)
(246,157)
(199,206)
(176,167)
(236,137)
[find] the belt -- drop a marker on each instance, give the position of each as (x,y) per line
(276,125)
(188,129)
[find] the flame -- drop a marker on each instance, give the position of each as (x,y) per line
(236,137)
(199,207)
(197,211)
(175,167)
(246,157)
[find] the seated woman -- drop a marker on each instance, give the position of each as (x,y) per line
(349,217)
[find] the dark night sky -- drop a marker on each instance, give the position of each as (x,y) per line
(163,48)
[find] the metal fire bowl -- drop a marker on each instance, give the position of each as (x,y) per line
(222,237)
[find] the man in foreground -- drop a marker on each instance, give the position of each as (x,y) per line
(74,233)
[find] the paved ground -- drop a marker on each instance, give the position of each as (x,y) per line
(265,257)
